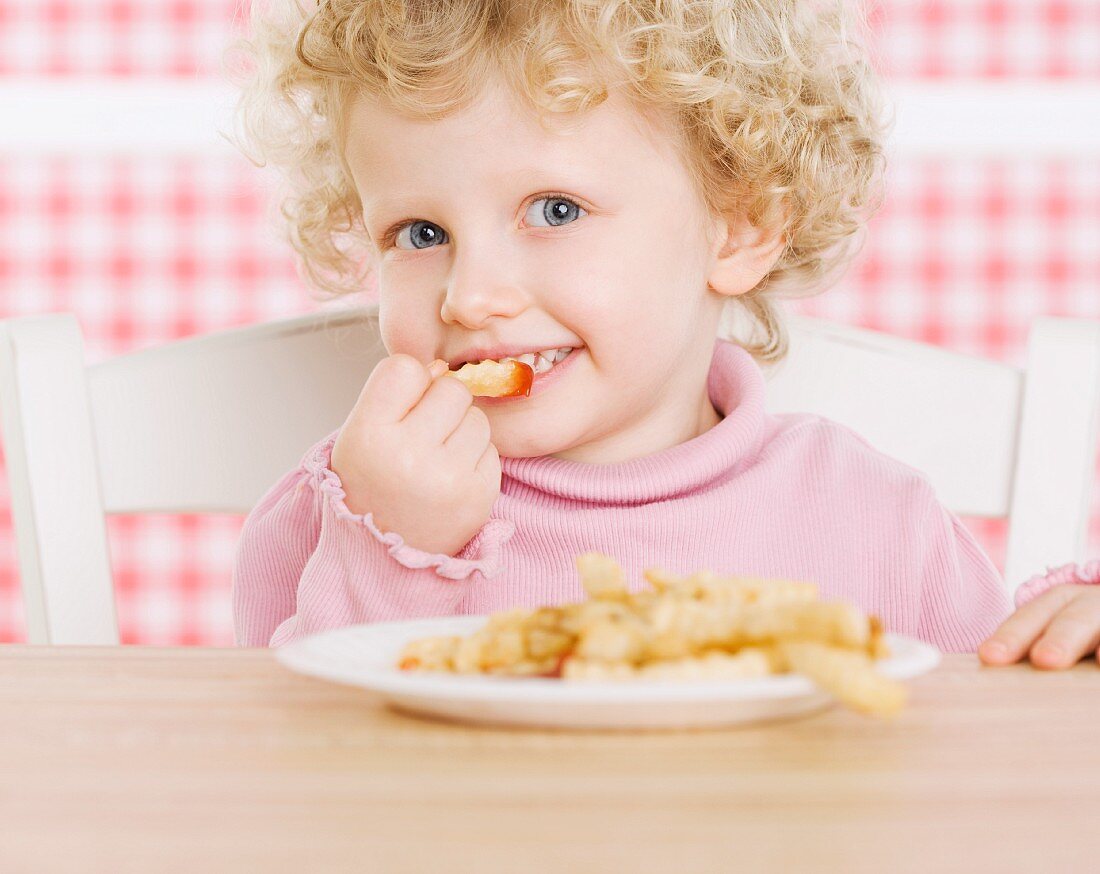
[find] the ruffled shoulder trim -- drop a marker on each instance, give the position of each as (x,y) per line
(1067,574)
(481,554)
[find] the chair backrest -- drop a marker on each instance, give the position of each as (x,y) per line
(200,425)
(208,424)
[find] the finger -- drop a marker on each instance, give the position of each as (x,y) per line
(471,437)
(488,466)
(438,368)
(394,387)
(439,412)
(1072,633)
(1014,638)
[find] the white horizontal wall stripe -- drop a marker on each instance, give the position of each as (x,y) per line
(101,115)
(996,118)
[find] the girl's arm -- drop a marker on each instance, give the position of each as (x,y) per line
(279,536)
(1066,575)
(305,563)
(963,597)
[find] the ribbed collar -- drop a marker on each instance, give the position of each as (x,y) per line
(735,385)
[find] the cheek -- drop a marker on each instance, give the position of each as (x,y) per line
(580,282)
(406,320)
(649,266)
(671,248)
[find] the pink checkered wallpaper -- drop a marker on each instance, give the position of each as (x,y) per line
(149,249)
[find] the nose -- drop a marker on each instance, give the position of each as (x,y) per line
(480,286)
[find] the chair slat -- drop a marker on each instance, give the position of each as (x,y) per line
(60,530)
(1048,524)
(951,416)
(209,424)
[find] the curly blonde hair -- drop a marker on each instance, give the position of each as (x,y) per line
(781,114)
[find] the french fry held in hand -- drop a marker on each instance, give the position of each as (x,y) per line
(700,627)
(496,379)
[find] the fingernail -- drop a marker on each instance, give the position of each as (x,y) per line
(996,648)
(438,368)
(1049,652)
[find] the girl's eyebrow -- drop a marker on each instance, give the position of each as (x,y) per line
(384,210)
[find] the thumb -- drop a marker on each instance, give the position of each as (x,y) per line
(438,367)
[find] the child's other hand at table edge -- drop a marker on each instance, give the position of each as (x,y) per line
(1057,626)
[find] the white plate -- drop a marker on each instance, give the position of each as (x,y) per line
(366,656)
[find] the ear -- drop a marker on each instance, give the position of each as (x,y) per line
(742,254)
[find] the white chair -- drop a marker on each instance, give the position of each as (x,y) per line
(208,424)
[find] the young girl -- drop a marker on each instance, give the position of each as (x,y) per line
(586,184)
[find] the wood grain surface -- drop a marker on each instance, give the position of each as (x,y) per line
(120,759)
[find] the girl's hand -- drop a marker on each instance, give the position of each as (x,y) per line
(415,453)
(1056,629)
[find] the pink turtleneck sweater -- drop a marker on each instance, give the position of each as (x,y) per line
(790,496)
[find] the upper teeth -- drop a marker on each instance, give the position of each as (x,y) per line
(542,361)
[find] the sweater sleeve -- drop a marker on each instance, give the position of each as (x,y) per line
(305,563)
(1067,574)
(963,598)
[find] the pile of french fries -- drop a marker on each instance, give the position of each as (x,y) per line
(700,627)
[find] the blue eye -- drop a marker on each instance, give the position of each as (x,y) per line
(420,235)
(546,212)
(553,211)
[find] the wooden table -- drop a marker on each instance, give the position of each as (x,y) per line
(205,760)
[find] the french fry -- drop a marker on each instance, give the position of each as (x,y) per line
(835,623)
(847,674)
(611,641)
(430,654)
(496,379)
(602,577)
(876,646)
(713,665)
(544,643)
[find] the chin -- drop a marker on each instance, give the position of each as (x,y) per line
(524,446)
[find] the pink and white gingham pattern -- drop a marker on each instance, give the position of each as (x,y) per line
(149,249)
(179,38)
(922,38)
(988,39)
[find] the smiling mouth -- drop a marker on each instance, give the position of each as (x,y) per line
(539,362)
